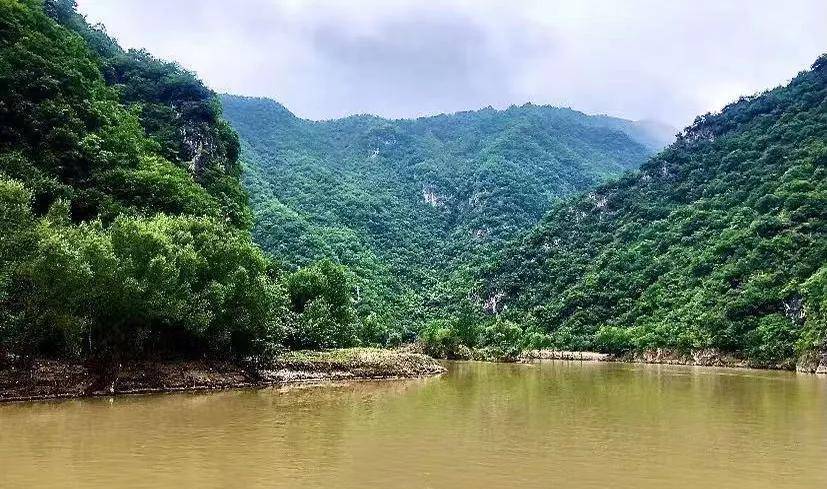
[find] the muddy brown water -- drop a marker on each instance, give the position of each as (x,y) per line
(554,424)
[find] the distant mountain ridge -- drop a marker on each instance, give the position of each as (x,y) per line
(404,201)
(653,134)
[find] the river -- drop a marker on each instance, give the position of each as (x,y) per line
(554,424)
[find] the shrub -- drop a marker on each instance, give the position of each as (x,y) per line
(773,340)
(612,339)
(165,284)
(440,340)
(503,337)
(321,299)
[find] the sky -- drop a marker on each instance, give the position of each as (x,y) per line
(664,60)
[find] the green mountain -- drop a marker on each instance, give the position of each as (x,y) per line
(720,241)
(106,130)
(123,223)
(411,205)
(126,231)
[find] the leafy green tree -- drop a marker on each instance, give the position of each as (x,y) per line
(441,340)
(321,297)
(123,228)
(503,337)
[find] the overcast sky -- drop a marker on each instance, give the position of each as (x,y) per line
(668,60)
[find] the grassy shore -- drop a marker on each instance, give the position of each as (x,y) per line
(52,379)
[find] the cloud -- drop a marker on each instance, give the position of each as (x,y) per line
(418,63)
(639,59)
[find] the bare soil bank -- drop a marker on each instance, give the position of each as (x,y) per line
(814,363)
(51,379)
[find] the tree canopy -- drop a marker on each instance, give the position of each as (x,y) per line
(126,231)
(124,227)
(720,241)
(411,207)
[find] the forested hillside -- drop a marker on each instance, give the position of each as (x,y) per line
(720,241)
(126,231)
(413,206)
(124,228)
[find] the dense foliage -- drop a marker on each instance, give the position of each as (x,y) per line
(139,285)
(124,228)
(411,207)
(720,241)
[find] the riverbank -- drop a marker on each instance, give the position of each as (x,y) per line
(815,363)
(52,379)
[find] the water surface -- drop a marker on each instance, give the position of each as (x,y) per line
(555,424)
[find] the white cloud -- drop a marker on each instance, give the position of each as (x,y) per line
(666,60)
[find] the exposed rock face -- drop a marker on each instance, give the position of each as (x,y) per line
(794,310)
(481,233)
(600,201)
(430,196)
(813,363)
(709,357)
(494,303)
(584,356)
(204,146)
